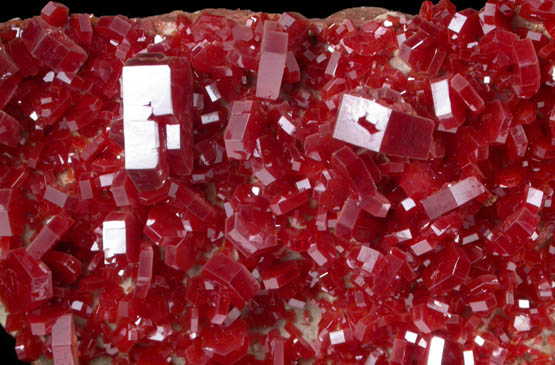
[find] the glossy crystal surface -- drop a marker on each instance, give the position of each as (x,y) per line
(271,189)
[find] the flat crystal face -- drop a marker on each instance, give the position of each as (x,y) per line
(235,187)
(114,238)
(146,91)
(142,144)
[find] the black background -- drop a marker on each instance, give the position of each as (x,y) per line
(320,9)
(137,8)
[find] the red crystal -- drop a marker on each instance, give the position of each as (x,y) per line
(120,235)
(49,235)
(397,133)
(268,164)
(64,266)
(19,53)
(234,275)
(447,104)
(180,254)
(226,345)
(464,27)
(81,27)
(249,230)
(466,92)
(12,218)
(152,111)
(271,66)
(184,198)
(448,270)
(242,129)
(497,119)
(27,282)
(123,190)
(9,130)
(378,189)
(53,47)
(451,197)
(280,274)
(55,13)
(420,52)
(354,171)
(64,341)
(144,271)
(163,226)
(528,68)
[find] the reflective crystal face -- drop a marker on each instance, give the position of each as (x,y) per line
(273,55)
(120,236)
(367,124)
(231,187)
(157,127)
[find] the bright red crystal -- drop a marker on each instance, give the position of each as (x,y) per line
(49,235)
(156,119)
(266,188)
(273,55)
(448,270)
(367,124)
(55,13)
(242,129)
(121,234)
(53,47)
(528,68)
(26,282)
(64,341)
(451,197)
(234,275)
(144,271)
(180,254)
(449,109)
(248,229)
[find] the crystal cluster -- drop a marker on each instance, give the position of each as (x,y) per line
(264,188)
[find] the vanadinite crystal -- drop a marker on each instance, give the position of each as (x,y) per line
(236,187)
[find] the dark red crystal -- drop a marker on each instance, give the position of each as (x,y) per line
(264,188)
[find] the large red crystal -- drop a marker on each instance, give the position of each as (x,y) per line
(26,282)
(157,121)
(234,275)
(367,124)
(235,187)
(64,341)
(53,47)
(271,66)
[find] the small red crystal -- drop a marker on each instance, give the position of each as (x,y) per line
(12,218)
